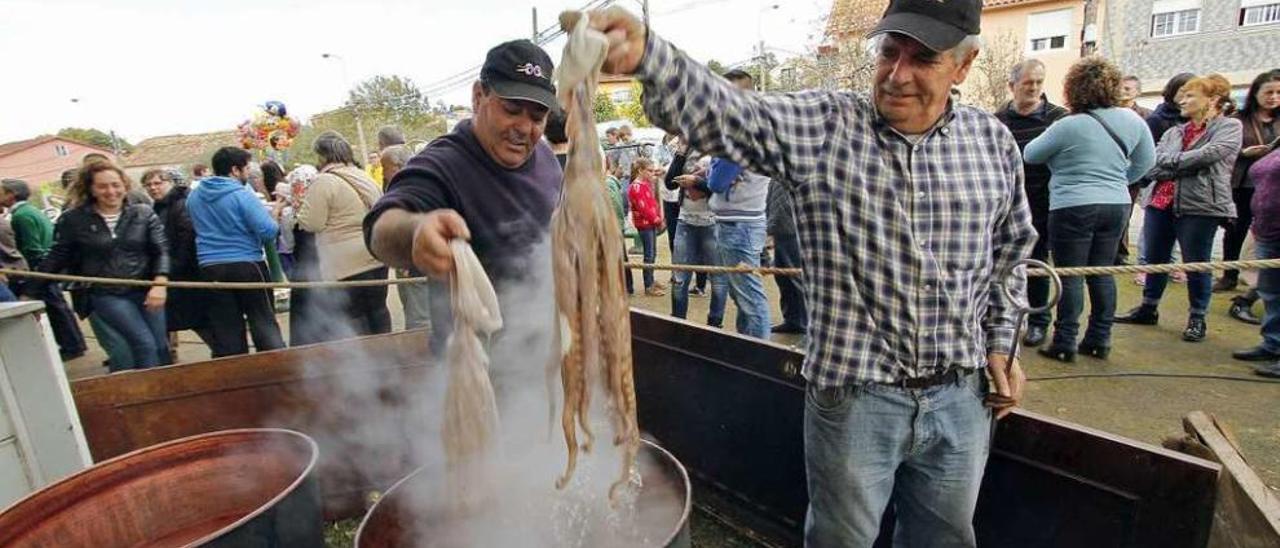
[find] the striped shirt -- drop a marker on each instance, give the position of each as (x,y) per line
(903,243)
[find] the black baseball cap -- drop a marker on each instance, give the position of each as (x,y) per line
(938,24)
(520,70)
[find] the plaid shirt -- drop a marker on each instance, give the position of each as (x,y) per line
(902,243)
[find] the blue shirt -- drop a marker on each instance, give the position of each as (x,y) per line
(231,222)
(1088,166)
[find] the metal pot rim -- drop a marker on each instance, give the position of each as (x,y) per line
(671,459)
(97,468)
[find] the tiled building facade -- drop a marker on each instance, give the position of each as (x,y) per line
(1157,39)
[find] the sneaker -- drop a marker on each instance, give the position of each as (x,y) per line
(659,285)
(697,292)
(1196,330)
(1225,283)
(655,291)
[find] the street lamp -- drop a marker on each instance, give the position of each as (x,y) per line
(764,82)
(115,143)
(342,64)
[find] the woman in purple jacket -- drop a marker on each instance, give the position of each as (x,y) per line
(1265,174)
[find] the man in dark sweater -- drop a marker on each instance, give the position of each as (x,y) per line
(492,181)
(1027,116)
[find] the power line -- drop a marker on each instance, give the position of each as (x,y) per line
(543,37)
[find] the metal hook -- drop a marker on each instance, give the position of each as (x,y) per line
(1055,281)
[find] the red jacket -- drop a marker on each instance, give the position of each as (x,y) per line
(645,211)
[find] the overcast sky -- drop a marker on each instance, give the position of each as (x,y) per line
(157,67)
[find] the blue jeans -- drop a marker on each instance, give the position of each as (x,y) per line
(143,329)
(649,241)
(5,294)
(925,449)
(696,245)
(741,242)
(119,356)
(1086,235)
(786,254)
(1194,236)
(1269,292)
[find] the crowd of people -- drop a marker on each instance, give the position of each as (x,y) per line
(902,207)
(1087,165)
(235,220)
(1189,165)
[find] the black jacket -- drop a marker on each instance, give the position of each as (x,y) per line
(1164,118)
(83,246)
(1025,129)
(181,234)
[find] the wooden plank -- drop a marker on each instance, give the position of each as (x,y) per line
(1247,513)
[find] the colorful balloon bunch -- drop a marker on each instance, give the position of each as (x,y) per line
(270,129)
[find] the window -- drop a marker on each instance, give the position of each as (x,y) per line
(1175,17)
(1048,30)
(1259,12)
(1056,42)
(61,150)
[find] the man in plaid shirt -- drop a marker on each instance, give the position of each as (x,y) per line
(909,207)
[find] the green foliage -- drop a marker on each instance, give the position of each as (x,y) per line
(716,67)
(633,110)
(95,137)
(605,109)
(379,101)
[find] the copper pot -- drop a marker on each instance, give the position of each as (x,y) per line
(251,487)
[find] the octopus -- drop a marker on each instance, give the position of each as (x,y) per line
(471,412)
(587,263)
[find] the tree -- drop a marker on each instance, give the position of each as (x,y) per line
(716,67)
(988,84)
(379,101)
(633,110)
(95,137)
(605,109)
(848,66)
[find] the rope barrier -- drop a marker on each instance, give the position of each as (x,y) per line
(208,285)
(1255,264)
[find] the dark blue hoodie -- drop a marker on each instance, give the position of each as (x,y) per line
(231,223)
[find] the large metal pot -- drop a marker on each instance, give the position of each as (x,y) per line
(242,488)
(393,522)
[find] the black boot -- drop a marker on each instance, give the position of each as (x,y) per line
(1034,337)
(1227,282)
(1242,311)
(1058,353)
(1142,315)
(1196,329)
(1094,350)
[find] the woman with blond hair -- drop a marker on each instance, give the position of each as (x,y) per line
(1191,198)
(105,237)
(1093,156)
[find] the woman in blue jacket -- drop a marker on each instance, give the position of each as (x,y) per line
(1093,155)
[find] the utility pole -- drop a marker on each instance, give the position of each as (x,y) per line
(535,25)
(355,110)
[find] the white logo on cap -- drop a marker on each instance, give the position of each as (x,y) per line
(531,69)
